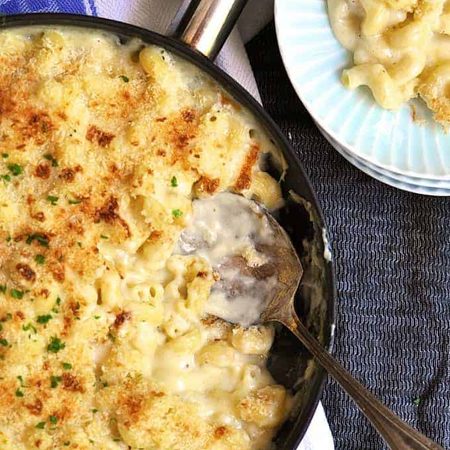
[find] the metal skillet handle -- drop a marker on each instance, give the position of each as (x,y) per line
(206,24)
(397,434)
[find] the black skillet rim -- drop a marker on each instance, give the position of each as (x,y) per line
(243,97)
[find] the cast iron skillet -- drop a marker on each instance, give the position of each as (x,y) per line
(289,362)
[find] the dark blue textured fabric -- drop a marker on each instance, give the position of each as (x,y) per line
(392,258)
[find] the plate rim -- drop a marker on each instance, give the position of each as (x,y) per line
(323,126)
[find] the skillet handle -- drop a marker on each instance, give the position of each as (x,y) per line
(206,24)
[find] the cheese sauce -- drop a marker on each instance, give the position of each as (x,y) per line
(230,231)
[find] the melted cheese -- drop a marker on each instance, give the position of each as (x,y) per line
(105,339)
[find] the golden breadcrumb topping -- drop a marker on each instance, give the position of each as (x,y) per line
(104,342)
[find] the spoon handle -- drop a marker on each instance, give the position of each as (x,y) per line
(397,434)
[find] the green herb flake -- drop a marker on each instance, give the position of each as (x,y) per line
(20,378)
(15,169)
(104,237)
(177,213)
(174,182)
(40,425)
(54,381)
(124,78)
(55,308)
(74,202)
(50,158)
(28,327)
(55,345)
(4,342)
(5,155)
(5,177)
(53,420)
(8,239)
(40,238)
(417,401)
(52,199)
(44,319)
(3,288)
(94,410)
(15,293)
(66,366)
(96,317)
(66,444)
(40,259)
(19,393)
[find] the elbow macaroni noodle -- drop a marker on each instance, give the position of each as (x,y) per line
(400,50)
(104,339)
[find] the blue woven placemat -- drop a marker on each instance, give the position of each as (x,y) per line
(392,258)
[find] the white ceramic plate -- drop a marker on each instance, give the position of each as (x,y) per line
(388,142)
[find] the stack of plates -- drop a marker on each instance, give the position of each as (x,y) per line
(404,148)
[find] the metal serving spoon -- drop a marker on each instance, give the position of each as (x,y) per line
(285,266)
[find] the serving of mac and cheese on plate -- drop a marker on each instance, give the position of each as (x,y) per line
(105,339)
(401,49)
(397,52)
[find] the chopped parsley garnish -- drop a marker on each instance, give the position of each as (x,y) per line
(1,327)
(5,155)
(19,393)
(95,410)
(3,288)
(104,237)
(74,202)
(55,345)
(40,259)
(29,327)
(66,444)
(54,381)
(40,425)
(20,378)
(124,78)
(40,238)
(55,308)
(52,199)
(44,319)
(15,293)
(177,213)
(50,158)
(15,169)
(174,182)
(96,317)
(8,239)
(66,366)
(5,177)
(4,342)
(53,420)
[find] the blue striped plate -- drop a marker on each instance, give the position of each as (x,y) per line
(389,142)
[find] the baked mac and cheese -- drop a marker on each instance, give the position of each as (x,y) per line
(105,340)
(401,50)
